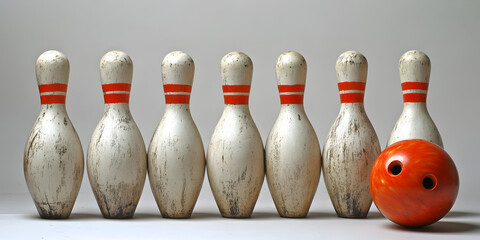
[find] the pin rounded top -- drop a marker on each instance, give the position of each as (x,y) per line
(414,66)
(351,66)
(178,68)
(116,67)
(236,69)
(52,67)
(291,69)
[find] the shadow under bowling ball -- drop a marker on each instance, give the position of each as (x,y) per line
(439,227)
(460,214)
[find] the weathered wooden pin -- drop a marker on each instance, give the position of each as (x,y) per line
(415,121)
(352,144)
(176,159)
(235,159)
(116,158)
(53,158)
(292,149)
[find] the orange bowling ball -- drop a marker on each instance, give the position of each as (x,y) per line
(414,183)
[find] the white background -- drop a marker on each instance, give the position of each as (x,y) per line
(448,31)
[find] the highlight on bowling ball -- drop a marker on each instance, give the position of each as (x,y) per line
(414,183)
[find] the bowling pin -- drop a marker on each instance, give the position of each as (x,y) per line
(235,158)
(292,150)
(176,158)
(415,121)
(352,144)
(116,158)
(53,158)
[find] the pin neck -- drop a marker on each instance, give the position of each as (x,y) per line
(122,108)
(417,105)
(237,107)
(54,107)
(294,107)
(177,107)
(54,93)
(236,94)
(231,111)
(351,92)
(114,93)
(414,92)
(352,106)
(177,93)
(291,94)
(416,109)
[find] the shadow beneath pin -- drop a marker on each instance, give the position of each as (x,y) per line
(73,216)
(439,227)
(320,215)
(205,215)
(374,215)
(265,215)
(146,216)
(217,215)
(255,215)
(195,216)
(84,216)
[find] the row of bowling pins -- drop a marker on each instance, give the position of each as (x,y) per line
(236,161)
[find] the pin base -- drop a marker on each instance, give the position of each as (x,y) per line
(236,215)
(54,216)
(239,216)
(118,216)
(177,215)
(292,216)
(353,216)
(53,211)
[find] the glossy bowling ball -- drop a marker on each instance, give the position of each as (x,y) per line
(414,183)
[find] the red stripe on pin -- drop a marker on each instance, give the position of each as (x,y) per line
(291,88)
(54,87)
(414,97)
(291,99)
(177,99)
(116,98)
(236,88)
(111,87)
(52,99)
(177,88)
(414,86)
(236,99)
(351,97)
(345,86)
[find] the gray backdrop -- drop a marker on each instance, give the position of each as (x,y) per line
(448,31)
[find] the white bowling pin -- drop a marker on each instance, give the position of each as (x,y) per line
(352,144)
(235,158)
(176,158)
(53,158)
(415,121)
(292,150)
(116,158)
